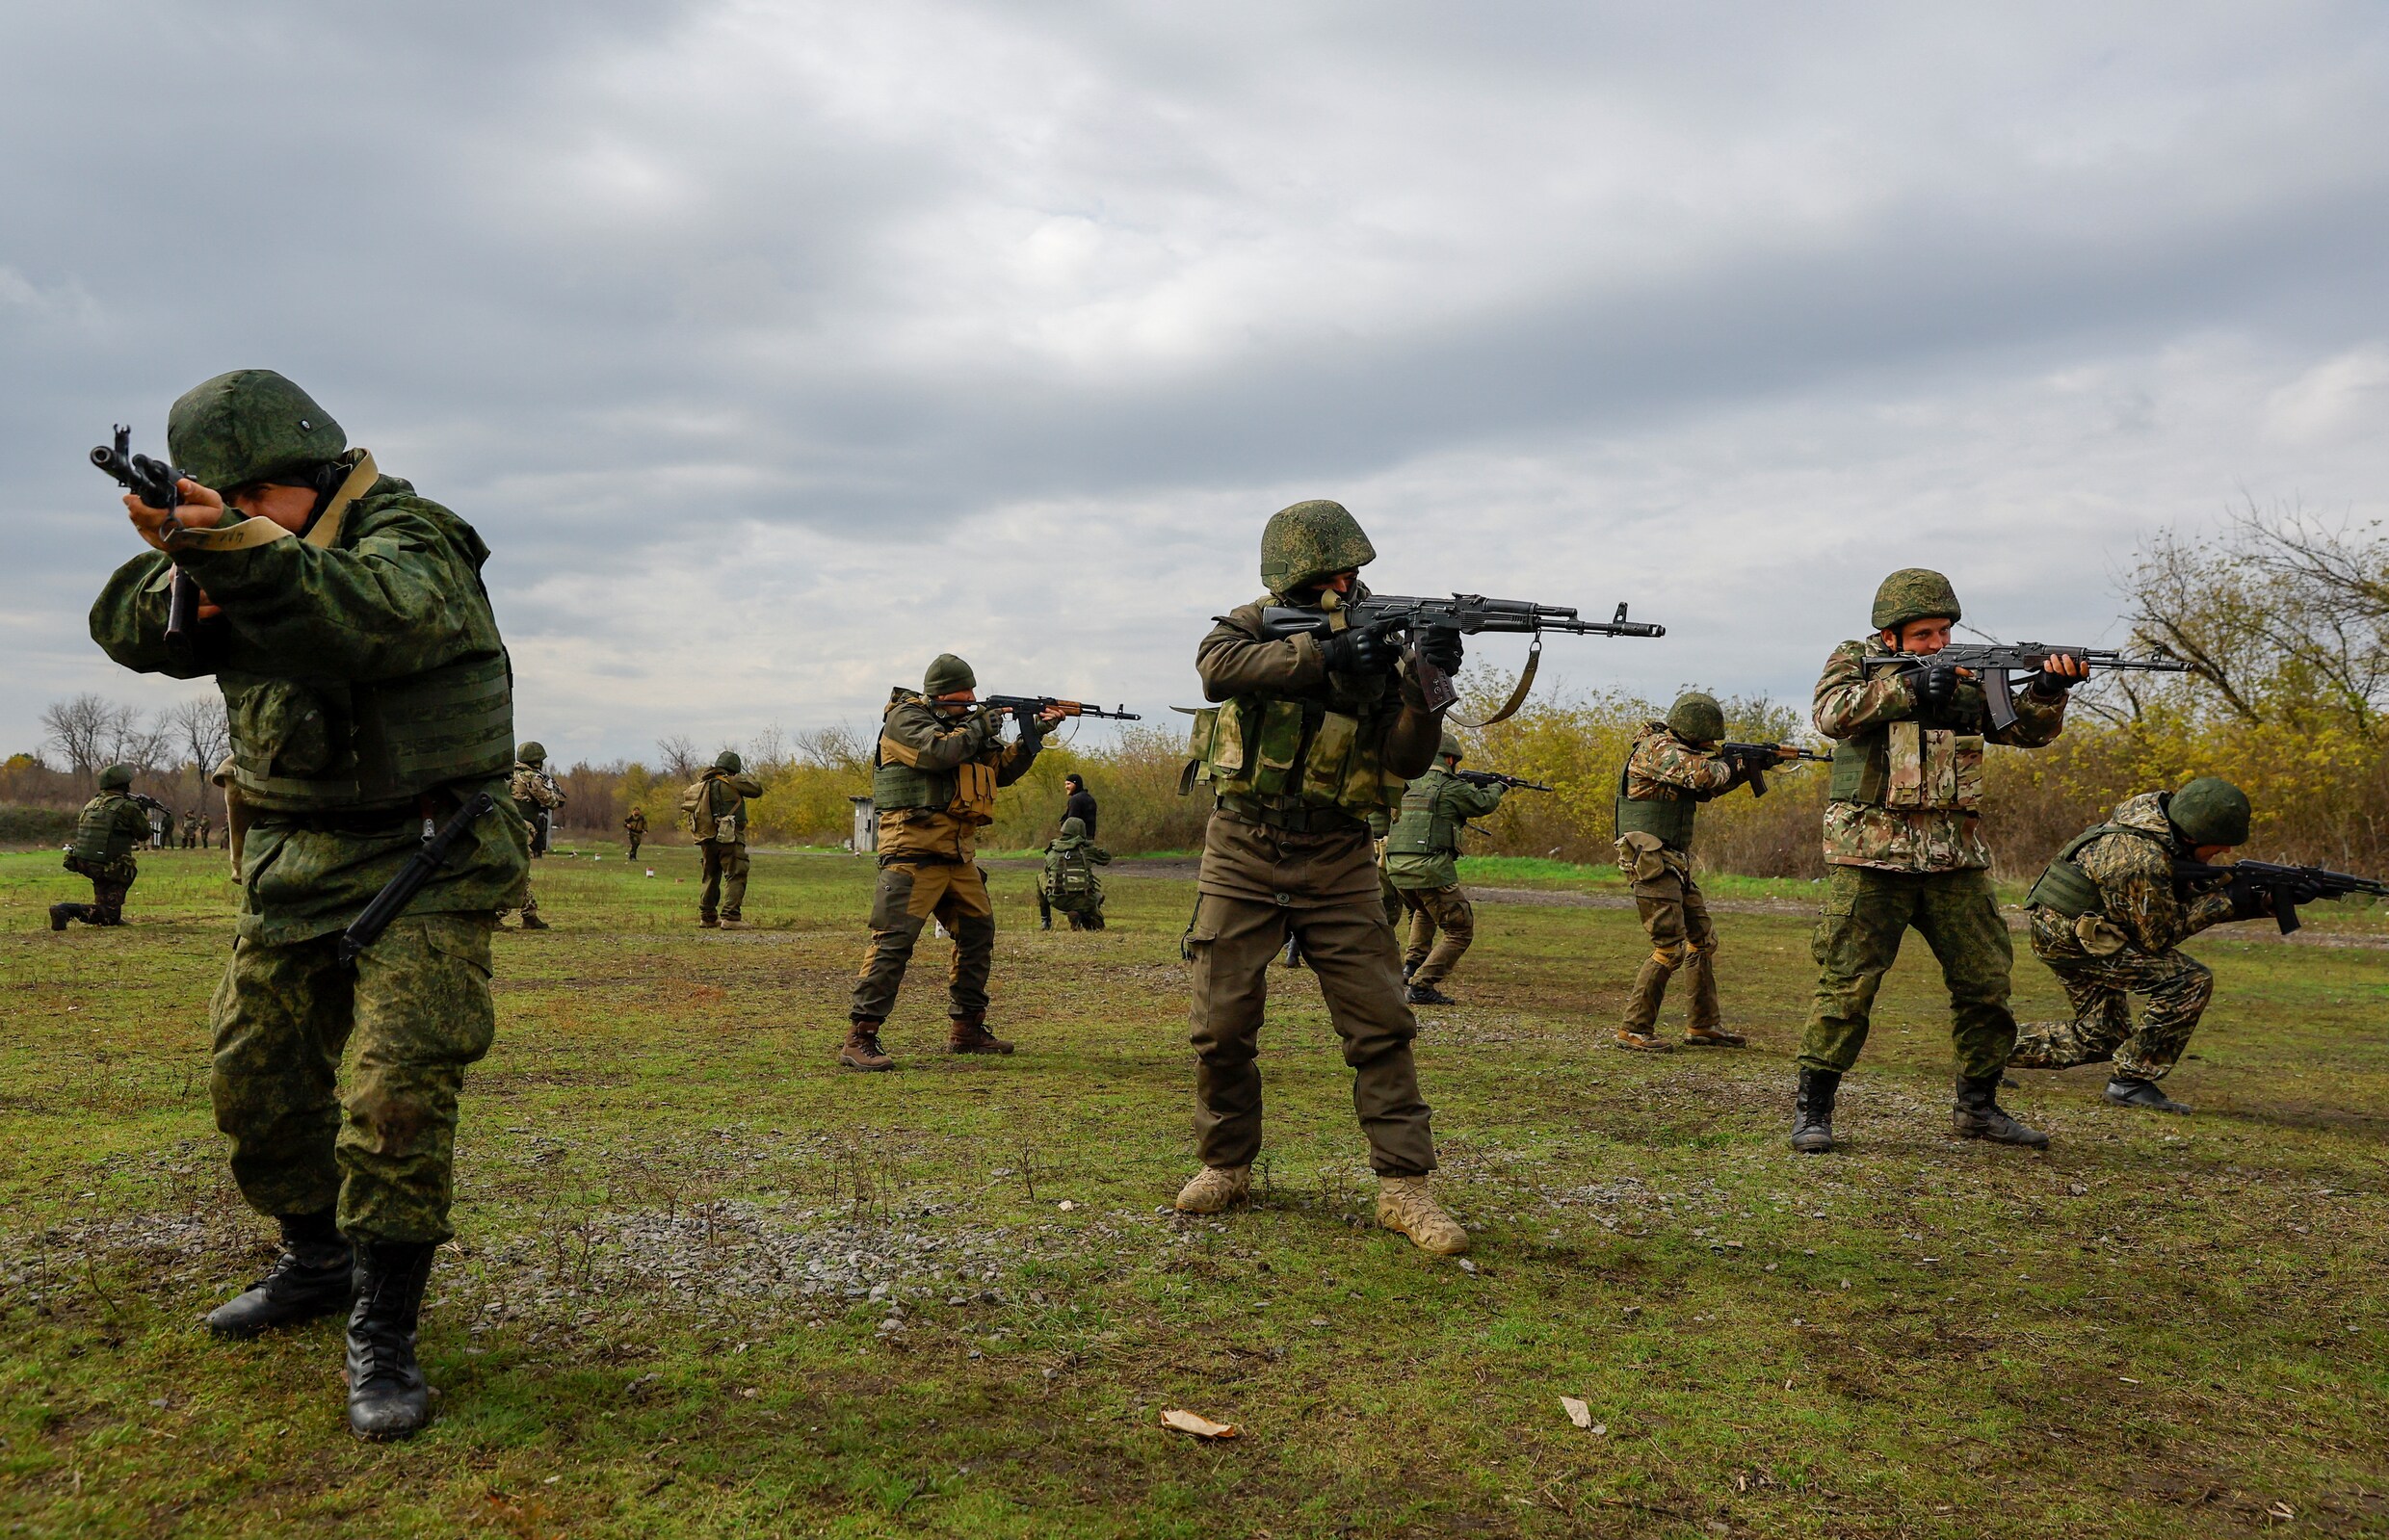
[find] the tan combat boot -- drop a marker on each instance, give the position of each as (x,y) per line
(1712,1037)
(735,924)
(862,1049)
(1214,1187)
(1404,1204)
(969,1034)
(1644,1043)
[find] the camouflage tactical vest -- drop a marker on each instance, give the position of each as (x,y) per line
(1909,766)
(1418,828)
(899,785)
(1668,819)
(321,747)
(98,837)
(1292,754)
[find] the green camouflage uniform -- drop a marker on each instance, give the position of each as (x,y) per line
(2127,947)
(1902,835)
(1069,881)
(368,690)
(722,850)
(1665,778)
(533,793)
(110,829)
(1422,863)
(634,830)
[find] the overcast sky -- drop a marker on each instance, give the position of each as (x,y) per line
(777,347)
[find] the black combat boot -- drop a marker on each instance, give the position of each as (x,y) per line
(60,913)
(1430,995)
(2124,1090)
(1978,1115)
(1812,1113)
(313,1276)
(1408,968)
(387,1396)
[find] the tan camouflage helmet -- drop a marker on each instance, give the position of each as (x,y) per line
(948,675)
(1307,541)
(250,425)
(1451,747)
(534,752)
(1914,594)
(2210,810)
(1696,718)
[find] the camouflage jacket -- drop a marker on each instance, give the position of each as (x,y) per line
(634,822)
(111,827)
(727,795)
(533,790)
(1663,768)
(917,737)
(1433,810)
(1858,708)
(2136,895)
(387,586)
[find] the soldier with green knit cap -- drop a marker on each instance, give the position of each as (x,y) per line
(1674,768)
(718,818)
(1311,738)
(934,773)
(2108,916)
(113,825)
(342,615)
(1902,838)
(1422,861)
(536,798)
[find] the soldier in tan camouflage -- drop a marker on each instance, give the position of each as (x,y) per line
(1902,837)
(716,811)
(634,830)
(1672,770)
(2108,919)
(534,794)
(934,774)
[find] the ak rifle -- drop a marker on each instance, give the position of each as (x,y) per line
(159,485)
(1752,761)
(1994,661)
(2286,886)
(1393,616)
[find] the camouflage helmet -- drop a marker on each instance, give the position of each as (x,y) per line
(250,425)
(1451,747)
(948,675)
(1696,718)
(729,763)
(116,777)
(1074,828)
(1308,540)
(2210,811)
(534,752)
(1914,594)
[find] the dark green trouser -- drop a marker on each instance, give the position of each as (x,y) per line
(1866,914)
(408,1016)
(726,879)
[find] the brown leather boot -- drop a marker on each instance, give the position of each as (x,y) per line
(1643,1042)
(1712,1037)
(969,1034)
(862,1049)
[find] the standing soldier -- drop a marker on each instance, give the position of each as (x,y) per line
(206,828)
(112,827)
(190,827)
(1069,882)
(933,781)
(1902,835)
(1313,738)
(717,812)
(2108,920)
(1672,770)
(1422,861)
(370,698)
(534,798)
(634,829)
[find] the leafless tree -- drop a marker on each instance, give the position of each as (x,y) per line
(200,728)
(839,748)
(85,730)
(679,756)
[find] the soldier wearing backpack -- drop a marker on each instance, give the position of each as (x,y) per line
(1069,882)
(714,809)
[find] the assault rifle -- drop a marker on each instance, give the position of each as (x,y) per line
(1390,615)
(1026,709)
(159,485)
(1497,778)
(2287,886)
(1994,661)
(428,862)
(1752,761)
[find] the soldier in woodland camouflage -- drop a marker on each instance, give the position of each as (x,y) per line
(718,818)
(634,830)
(110,829)
(535,797)
(1902,837)
(190,827)
(1422,865)
(2109,918)
(368,694)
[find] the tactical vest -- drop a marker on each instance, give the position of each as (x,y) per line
(1909,766)
(1069,874)
(1668,820)
(1419,829)
(1292,754)
(322,747)
(2065,888)
(966,792)
(97,838)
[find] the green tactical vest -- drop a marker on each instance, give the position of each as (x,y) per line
(1069,874)
(97,838)
(2064,887)
(1419,829)
(1293,754)
(1668,820)
(896,787)
(325,747)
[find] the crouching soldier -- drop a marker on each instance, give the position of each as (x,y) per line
(2109,918)
(370,698)
(1422,863)
(1068,882)
(112,827)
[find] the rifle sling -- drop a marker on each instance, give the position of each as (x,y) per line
(1517,697)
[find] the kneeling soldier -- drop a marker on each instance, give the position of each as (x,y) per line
(934,779)
(2107,917)
(112,827)
(370,698)
(1422,861)
(1068,882)
(1313,737)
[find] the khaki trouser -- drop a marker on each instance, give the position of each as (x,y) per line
(1443,925)
(1857,939)
(1676,917)
(726,879)
(404,1020)
(1351,948)
(910,893)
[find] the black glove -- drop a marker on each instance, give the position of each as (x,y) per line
(1356,652)
(1933,687)
(2051,685)
(2249,901)
(1442,648)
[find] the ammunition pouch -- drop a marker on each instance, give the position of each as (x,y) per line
(1269,752)
(1642,856)
(1909,766)
(2063,888)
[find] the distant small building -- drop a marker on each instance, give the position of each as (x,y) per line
(866,839)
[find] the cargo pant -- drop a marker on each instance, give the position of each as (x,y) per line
(1351,948)
(1443,925)
(910,893)
(111,882)
(1857,938)
(1676,917)
(725,894)
(405,1021)
(2178,987)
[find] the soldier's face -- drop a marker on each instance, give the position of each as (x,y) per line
(286,506)
(955,703)
(1927,637)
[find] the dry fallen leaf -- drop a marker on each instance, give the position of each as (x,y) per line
(1578,1412)
(1203,1427)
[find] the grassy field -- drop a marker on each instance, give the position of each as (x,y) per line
(706,1284)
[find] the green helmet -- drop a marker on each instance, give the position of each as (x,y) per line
(1914,594)
(2210,811)
(250,425)
(947,675)
(729,763)
(116,777)
(1697,719)
(532,753)
(1308,540)
(1073,828)
(1451,747)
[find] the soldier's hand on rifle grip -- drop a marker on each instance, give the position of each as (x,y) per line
(200,507)
(2062,672)
(1934,685)
(1050,719)
(1441,646)
(2249,901)
(1356,652)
